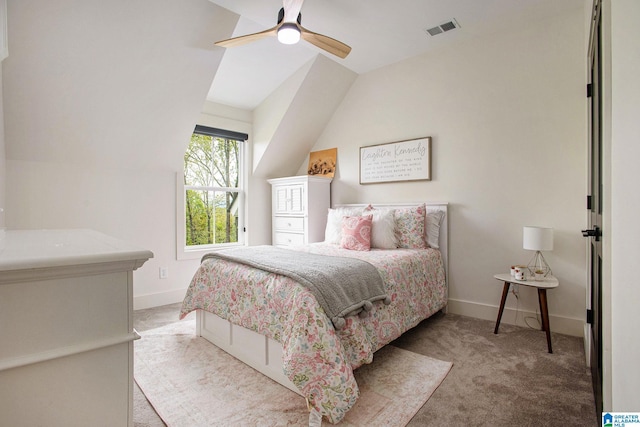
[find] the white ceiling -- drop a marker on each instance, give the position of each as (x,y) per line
(380,32)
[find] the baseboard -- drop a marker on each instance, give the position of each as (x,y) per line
(141,302)
(559,324)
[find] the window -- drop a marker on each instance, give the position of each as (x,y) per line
(212,190)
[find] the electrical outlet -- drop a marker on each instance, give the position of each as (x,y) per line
(163,272)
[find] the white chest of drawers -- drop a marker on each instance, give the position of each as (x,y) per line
(299,209)
(66,328)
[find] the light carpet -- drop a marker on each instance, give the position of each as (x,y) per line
(190,382)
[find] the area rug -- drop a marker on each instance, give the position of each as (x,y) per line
(190,382)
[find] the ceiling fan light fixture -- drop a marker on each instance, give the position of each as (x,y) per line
(288,33)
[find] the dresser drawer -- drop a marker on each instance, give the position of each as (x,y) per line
(286,239)
(284,223)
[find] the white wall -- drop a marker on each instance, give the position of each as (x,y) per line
(2,161)
(289,121)
(623,295)
(3,55)
(100,99)
(286,125)
(507,114)
(97,121)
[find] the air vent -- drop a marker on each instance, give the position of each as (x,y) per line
(443,27)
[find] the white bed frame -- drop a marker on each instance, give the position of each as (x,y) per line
(264,354)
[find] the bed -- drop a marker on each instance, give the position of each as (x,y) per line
(274,324)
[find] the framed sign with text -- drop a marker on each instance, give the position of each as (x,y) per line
(408,160)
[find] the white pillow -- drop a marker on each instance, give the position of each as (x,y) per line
(383,229)
(333,230)
(434,219)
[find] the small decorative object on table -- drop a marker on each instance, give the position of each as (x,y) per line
(539,275)
(516,267)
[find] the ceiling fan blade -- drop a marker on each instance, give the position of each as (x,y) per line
(291,10)
(332,46)
(248,38)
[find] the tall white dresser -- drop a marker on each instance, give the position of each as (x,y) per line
(299,209)
(66,328)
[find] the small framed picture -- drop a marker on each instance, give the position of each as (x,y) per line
(323,162)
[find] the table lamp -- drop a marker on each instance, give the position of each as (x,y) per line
(538,239)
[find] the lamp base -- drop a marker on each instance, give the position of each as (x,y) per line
(538,264)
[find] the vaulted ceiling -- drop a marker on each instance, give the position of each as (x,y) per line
(380,32)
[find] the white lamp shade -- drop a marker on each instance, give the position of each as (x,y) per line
(288,33)
(537,238)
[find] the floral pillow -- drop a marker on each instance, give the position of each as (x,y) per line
(410,230)
(356,232)
(333,230)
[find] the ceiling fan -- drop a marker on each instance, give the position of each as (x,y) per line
(289,31)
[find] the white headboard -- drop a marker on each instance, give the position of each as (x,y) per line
(444,227)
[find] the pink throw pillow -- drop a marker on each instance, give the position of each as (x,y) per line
(356,232)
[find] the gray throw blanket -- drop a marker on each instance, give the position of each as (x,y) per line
(343,286)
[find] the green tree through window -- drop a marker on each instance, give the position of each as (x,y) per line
(212,180)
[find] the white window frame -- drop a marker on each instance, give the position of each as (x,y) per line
(183,251)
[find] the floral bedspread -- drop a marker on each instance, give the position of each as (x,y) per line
(318,359)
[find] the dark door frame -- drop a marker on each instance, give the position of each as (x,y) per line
(595,205)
